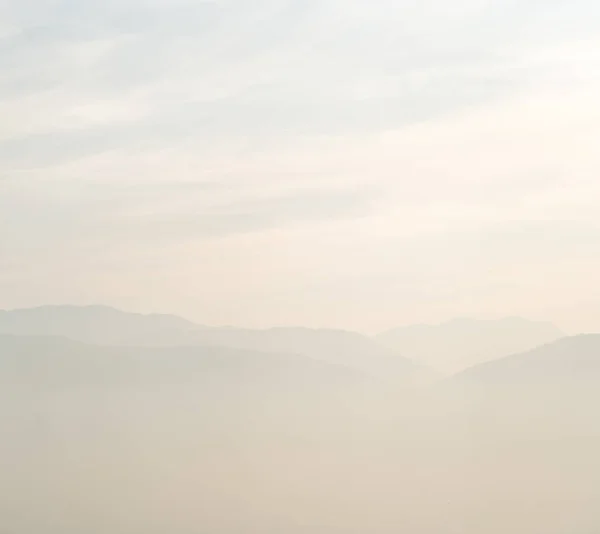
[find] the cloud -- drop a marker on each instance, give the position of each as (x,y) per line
(81,78)
(278,67)
(253,215)
(306,140)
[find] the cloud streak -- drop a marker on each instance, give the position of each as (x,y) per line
(364,140)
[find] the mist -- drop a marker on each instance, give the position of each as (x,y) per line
(229,439)
(299,267)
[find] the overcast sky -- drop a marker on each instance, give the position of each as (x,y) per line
(349,163)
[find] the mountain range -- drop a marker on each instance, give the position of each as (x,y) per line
(102,325)
(125,422)
(416,352)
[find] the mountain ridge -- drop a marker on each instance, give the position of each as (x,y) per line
(102,325)
(460,343)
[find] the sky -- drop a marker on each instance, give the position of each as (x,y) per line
(354,164)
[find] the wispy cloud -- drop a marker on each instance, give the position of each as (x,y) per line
(347,130)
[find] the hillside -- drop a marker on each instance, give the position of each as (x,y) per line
(568,360)
(551,390)
(208,385)
(106,326)
(47,361)
(456,345)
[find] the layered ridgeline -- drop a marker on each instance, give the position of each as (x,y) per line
(413,351)
(220,384)
(455,345)
(107,326)
(129,438)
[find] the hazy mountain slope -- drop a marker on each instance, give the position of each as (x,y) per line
(335,346)
(461,343)
(48,361)
(575,358)
(151,439)
(107,326)
(208,385)
(114,426)
(553,387)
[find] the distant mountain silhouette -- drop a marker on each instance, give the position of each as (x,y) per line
(334,346)
(107,326)
(456,345)
(97,324)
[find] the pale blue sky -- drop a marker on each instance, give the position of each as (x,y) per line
(344,163)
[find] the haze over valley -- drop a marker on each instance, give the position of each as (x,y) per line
(121,421)
(299,267)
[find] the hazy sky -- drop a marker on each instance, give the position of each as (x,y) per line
(347,163)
